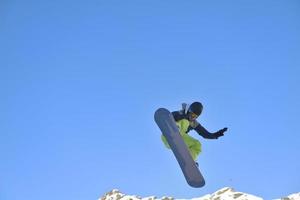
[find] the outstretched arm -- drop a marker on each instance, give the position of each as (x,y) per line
(206,134)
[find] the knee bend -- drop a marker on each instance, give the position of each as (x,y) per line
(198,146)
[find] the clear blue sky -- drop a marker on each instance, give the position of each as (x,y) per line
(80,81)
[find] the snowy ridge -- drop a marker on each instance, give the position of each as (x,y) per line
(222,194)
(228,193)
(295,196)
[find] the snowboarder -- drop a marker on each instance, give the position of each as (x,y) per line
(186,121)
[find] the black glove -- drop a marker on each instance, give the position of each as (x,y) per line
(220,133)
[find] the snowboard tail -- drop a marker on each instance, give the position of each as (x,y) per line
(165,121)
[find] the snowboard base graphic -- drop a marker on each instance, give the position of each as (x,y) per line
(165,121)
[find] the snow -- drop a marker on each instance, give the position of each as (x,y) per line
(225,193)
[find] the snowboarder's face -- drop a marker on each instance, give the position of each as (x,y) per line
(193,116)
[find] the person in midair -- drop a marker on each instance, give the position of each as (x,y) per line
(186,121)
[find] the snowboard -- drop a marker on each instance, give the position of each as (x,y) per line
(166,123)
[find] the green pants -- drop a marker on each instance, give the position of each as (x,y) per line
(193,145)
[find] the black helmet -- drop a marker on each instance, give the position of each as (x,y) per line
(196,108)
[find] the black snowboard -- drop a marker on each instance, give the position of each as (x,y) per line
(165,121)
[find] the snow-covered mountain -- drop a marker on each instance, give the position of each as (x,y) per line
(222,194)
